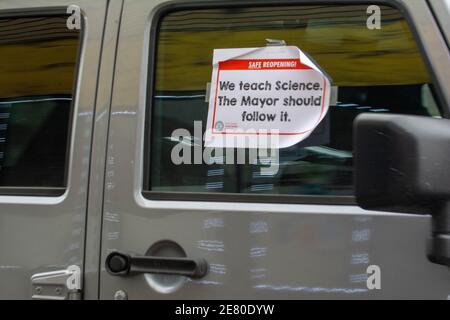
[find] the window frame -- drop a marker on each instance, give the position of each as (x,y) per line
(174,6)
(26,191)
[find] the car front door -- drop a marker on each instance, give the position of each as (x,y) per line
(293,234)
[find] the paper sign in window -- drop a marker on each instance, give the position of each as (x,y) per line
(258,93)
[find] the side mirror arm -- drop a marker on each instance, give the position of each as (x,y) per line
(439,242)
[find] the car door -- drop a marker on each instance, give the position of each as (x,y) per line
(441,8)
(293,234)
(49,54)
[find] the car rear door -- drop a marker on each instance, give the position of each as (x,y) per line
(296,233)
(49,58)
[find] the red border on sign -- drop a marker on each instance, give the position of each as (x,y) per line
(266,64)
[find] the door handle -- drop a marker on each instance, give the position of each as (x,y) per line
(122,264)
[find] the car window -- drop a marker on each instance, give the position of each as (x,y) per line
(38,59)
(373,70)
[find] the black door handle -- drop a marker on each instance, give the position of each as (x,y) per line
(122,264)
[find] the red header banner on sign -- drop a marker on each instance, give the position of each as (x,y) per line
(263,64)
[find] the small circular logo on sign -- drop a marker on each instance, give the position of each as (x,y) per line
(219,126)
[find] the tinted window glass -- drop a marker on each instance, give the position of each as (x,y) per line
(372,70)
(38,58)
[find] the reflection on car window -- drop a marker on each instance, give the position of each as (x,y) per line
(37,68)
(378,71)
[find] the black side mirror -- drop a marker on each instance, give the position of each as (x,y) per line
(402,164)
